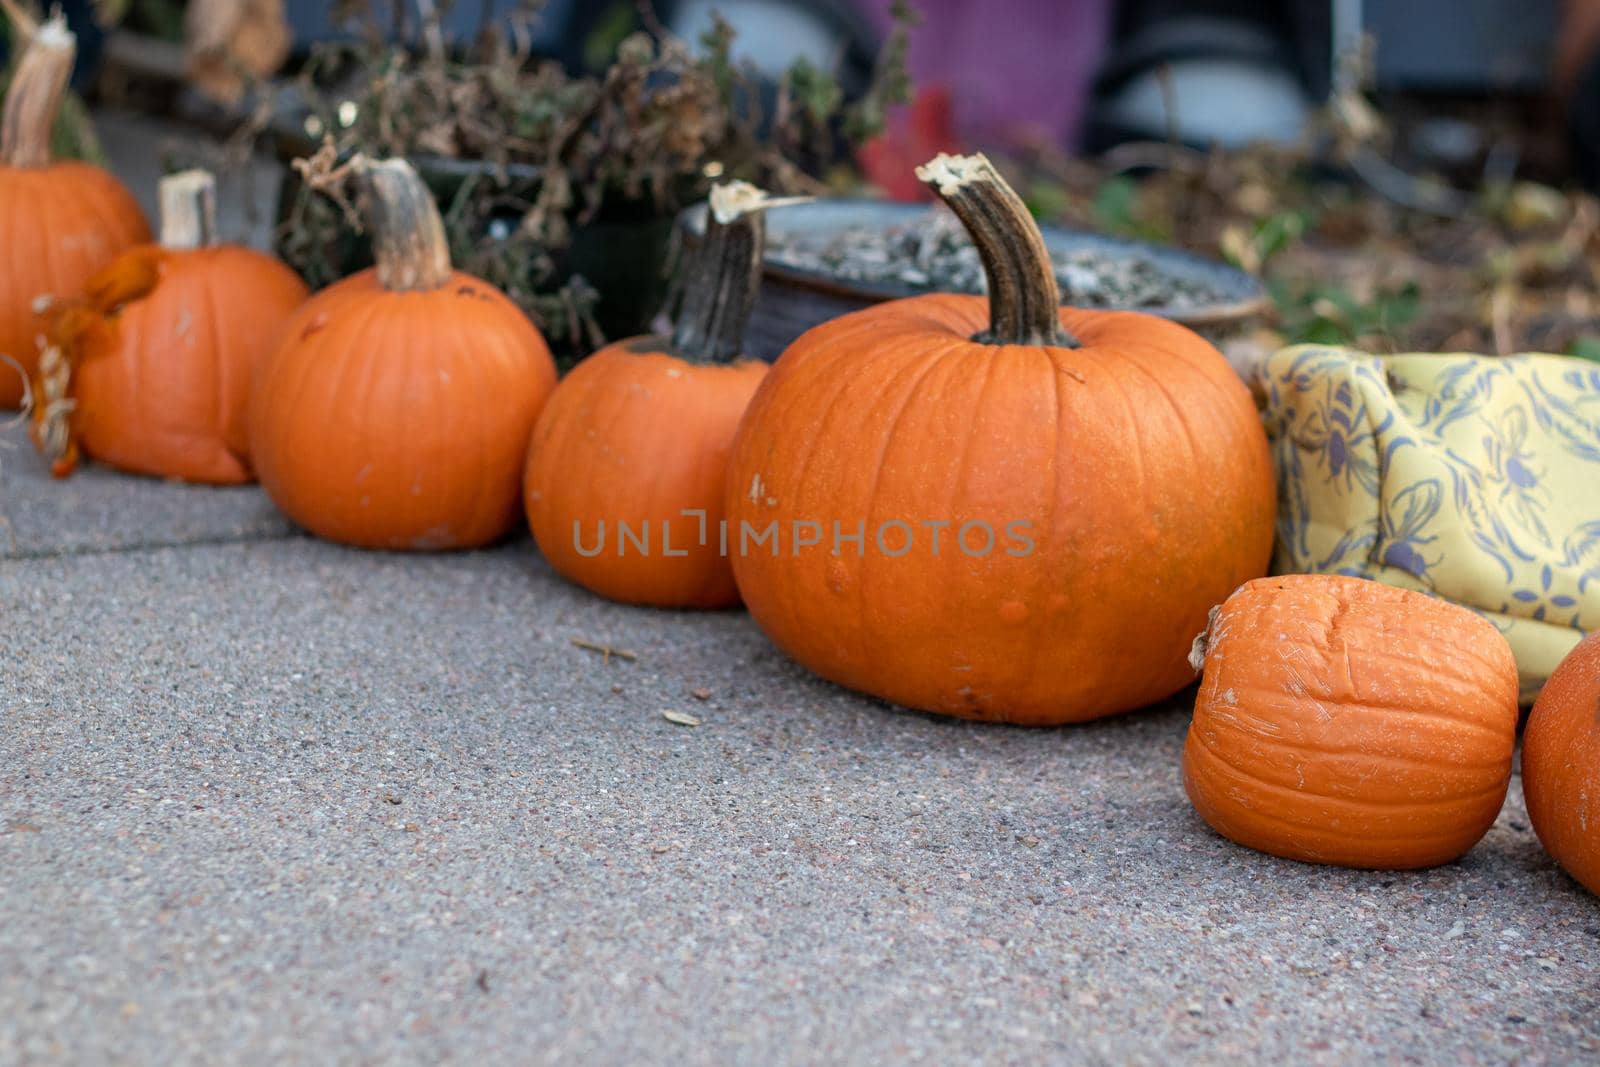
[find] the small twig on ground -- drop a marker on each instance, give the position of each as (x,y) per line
(606,651)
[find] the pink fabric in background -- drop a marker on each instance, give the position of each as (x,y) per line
(1017,71)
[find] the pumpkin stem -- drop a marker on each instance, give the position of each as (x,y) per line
(188,210)
(1202,641)
(35,95)
(407,233)
(1024,300)
(723,276)
(408,236)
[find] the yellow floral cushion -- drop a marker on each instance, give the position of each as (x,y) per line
(1474,478)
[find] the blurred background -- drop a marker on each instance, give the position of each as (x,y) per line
(1398,175)
(1068,74)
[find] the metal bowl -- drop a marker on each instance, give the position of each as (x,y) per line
(793,300)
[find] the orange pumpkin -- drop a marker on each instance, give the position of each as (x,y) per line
(160,379)
(1561,764)
(396,410)
(628,461)
(59,222)
(997,508)
(1342,721)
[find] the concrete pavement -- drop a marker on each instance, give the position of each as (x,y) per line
(267,799)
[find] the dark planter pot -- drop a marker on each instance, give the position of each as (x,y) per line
(793,300)
(622,252)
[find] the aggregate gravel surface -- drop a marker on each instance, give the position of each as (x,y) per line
(98,509)
(277,801)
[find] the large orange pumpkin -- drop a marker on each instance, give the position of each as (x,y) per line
(396,410)
(998,508)
(59,222)
(1342,721)
(626,470)
(1561,764)
(160,370)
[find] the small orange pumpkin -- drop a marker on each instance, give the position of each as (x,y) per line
(59,222)
(1346,722)
(1561,764)
(396,410)
(627,465)
(160,381)
(997,508)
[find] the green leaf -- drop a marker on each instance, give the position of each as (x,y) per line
(1114,203)
(1046,200)
(1278,231)
(612,28)
(815,90)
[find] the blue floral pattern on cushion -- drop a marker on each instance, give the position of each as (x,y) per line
(1474,478)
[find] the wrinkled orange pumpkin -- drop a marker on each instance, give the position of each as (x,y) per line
(1342,721)
(59,222)
(998,508)
(627,465)
(160,376)
(396,409)
(1561,764)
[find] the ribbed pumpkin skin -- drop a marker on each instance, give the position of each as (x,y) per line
(1137,459)
(166,391)
(1561,764)
(401,419)
(1346,722)
(639,436)
(59,224)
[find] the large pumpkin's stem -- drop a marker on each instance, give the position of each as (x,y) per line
(723,277)
(188,210)
(407,233)
(35,95)
(1024,299)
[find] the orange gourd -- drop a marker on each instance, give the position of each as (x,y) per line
(627,465)
(396,409)
(1561,764)
(159,370)
(1346,722)
(59,222)
(998,508)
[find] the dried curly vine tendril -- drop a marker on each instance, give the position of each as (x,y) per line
(188,220)
(67,328)
(52,416)
(26,408)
